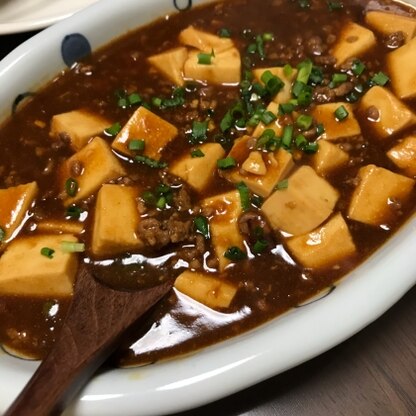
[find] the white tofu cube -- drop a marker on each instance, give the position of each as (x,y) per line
(170,64)
(403,155)
(204,41)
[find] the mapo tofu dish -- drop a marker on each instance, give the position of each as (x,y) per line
(255,153)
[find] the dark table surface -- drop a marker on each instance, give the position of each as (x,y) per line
(372,373)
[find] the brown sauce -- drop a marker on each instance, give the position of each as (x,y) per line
(269,283)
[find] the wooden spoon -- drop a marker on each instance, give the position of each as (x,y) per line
(97,318)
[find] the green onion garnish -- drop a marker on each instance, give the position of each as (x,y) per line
(72,247)
(71,187)
(73,212)
(338,78)
(380,79)
(287,70)
(157,102)
(205,58)
(311,147)
(260,246)
(244,195)
(235,253)
(161,202)
(287,136)
(272,83)
(304,121)
(304,71)
(136,144)
(224,33)
(257,201)
(358,67)
(283,184)
(199,131)
(341,113)
(267,117)
(286,108)
(134,99)
(152,163)
(201,225)
(335,5)
(300,141)
(197,153)
(113,130)
(226,163)
(149,198)
(47,252)
(264,139)
(320,129)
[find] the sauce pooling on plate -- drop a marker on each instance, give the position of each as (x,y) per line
(256,154)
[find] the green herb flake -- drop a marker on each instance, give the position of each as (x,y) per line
(73,212)
(226,163)
(281,185)
(380,79)
(205,58)
(259,246)
(134,99)
(149,198)
(202,226)
(72,247)
(287,70)
(311,147)
(304,121)
(287,136)
(335,5)
(257,201)
(136,145)
(151,163)
(47,252)
(341,113)
(113,130)
(197,153)
(357,67)
(339,78)
(199,131)
(224,33)
(320,129)
(273,83)
(71,187)
(286,108)
(268,117)
(235,253)
(244,195)
(304,71)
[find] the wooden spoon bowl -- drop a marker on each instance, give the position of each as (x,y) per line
(96,320)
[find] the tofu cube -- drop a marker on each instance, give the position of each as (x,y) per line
(387,23)
(306,203)
(328,158)
(353,41)
(198,172)
(212,291)
(401,67)
(225,68)
(285,94)
(24,271)
(170,64)
(147,126)
(225,210)
(334,129)
(403,155)
(275,125)
(79,126)
(373,200)
(393,115)
(204,41)
(325,246)
(15,202)
(100,165)
(116,219)
(278,164)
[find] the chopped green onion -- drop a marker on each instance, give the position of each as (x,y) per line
(358,67)
(335,5)
(152,163)
(316,77)
(197,153)
(286,108)
(304,121)
(320,129)
(260,46)
(149,198)
(272,82)
(257,201)
(71,187)
(47,252)
(72,247)
(244,195)
(157,102)
(122,102)
(235,254)
(297,88)
(268,37)
(74,212)
(134,99)
(205,58)
(287,70)
(201,225)
(304,71)
(283,184)
(338,78)
(199,131)
(161,202)
(224,33)
(311,147)
(267,117)
(226,163)
(113,130)
(264,139)
(287,136)
(341,113)
(260,246)
(380,79)
(136,144)
(305,96)
(300,141)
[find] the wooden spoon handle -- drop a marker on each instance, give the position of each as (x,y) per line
(96,319)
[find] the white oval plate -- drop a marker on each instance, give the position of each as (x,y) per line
(25,15)
(225,368)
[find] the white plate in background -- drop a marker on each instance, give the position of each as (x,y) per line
(26,15)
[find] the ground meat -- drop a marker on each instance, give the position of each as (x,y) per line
(394,40)
(325,94)
(372,113)
(315,45)
(325,60)
(182,199)
(159,233)
(76,168)
(251,223)
(343,89)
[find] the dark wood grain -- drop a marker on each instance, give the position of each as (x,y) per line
(97,318)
